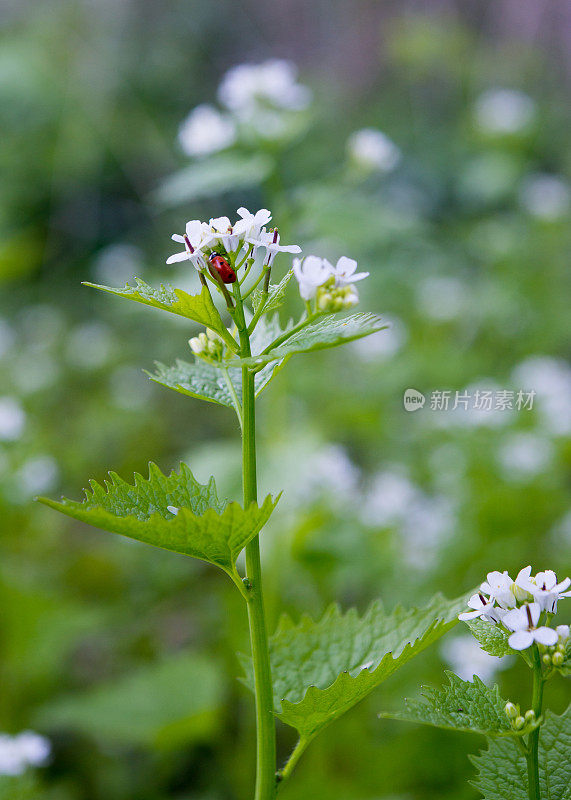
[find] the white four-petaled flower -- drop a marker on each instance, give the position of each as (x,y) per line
(546,591)
(311,273)
(483,607)
(344,271)
(522,621)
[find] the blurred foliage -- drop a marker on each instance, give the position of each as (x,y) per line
(116,651)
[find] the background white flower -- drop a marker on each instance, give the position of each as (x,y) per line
(502,111)
(206,131)
(26,749)
(247,86)
(370,148)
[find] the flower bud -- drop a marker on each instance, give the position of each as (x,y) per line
(212,335)
(529,716)
(557,659)
(546,659)
(518,723)
(512,711)
(196,345)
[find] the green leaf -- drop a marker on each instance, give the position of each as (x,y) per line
(321,669)
(276,294)
(198,307)
(461,706)
(212,177)
(210,382)
(503,769)
(326,332)
(205,527)
(163,704)
(492,638)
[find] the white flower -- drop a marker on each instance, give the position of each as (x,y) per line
(546,197)
(311,273)
(483,607)
(271,241)
(562,632)
(545,589)
(500,587)
(12,419)
(194,239)
(503,111)
(372,149)
(250,224)
(247,87)
(523,621)
(344,271)
(21,751)
(467,659)
(219,229)
(206,131)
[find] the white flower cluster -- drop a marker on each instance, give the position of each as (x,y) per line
(201,239)
(332,286)
(371,149)
(26,749)
(518,606)
(206,245)
(259,96)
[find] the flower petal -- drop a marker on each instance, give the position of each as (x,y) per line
(546,636)
(520,640)
(178,257)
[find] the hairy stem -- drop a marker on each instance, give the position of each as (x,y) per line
(533,739)
(265,722)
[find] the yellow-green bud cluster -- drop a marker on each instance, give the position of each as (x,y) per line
(207,345)
(555,656)
(517,720)
(332,298)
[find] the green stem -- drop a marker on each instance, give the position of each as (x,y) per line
(289,766)
(533,739)
(254,285)
(265,722)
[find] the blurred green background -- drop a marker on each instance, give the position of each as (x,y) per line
(124,656)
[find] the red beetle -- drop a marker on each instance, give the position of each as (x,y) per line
(222,267)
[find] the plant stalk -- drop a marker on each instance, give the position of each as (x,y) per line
(533,739)
(265,721)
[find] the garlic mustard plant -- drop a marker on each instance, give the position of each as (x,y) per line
(512,616)
(306,674)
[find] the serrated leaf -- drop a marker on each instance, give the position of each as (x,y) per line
(209,382)
(321,669)
(198,307)
(205,527)
(160,704)
(276,294)
(212,177)
(503,768)
(324,333)
(461,706)
(492,638)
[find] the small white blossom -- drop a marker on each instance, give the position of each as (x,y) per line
(370,148)
(500,586)
(344,271)
(504,111)
(26,749)
(522,621)
(466,658)
(247,88)
(271,241)
(562,632)
(250,225)
(194,239)
(12,419)
(545,589)
(547,197)
(206,131)
(311,273)
(483,608)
